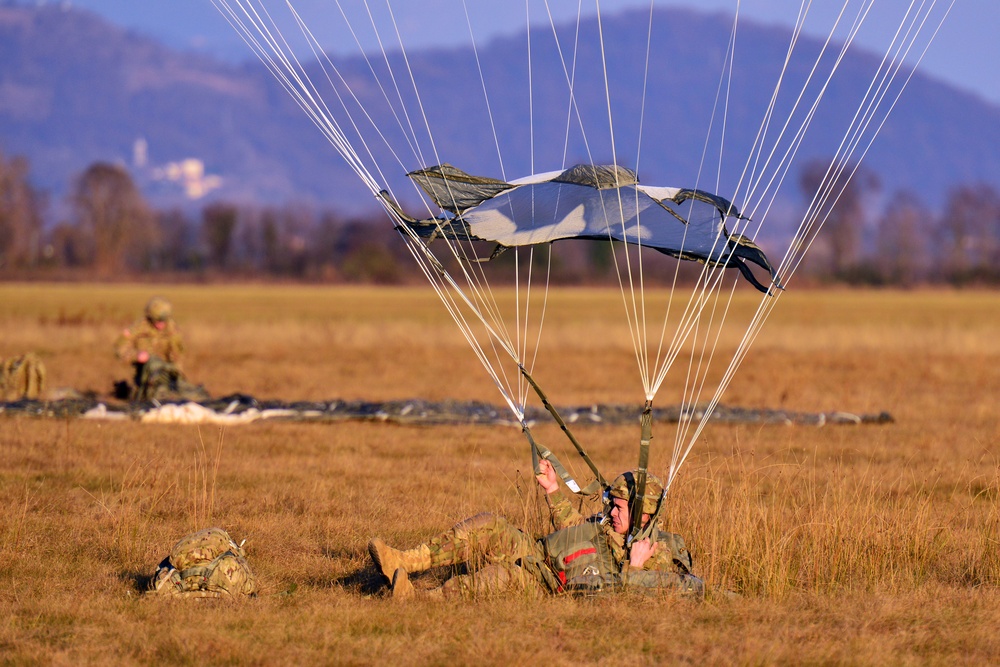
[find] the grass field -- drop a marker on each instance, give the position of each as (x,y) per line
(862,545)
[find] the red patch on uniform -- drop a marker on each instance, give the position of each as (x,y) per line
(582,552)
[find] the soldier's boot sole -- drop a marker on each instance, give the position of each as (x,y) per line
(402,589)
(387,560)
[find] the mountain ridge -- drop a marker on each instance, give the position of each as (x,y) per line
(75,89)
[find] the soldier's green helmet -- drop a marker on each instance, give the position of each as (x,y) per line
(158,309)
(624,487)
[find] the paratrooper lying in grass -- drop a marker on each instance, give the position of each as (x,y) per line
(584,555)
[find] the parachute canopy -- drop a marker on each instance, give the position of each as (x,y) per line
(599,202)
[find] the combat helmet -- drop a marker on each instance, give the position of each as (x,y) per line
(624,487)
(158,309)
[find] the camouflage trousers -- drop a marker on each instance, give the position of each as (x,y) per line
(494,552)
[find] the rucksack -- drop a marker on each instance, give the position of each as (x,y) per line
(207,564)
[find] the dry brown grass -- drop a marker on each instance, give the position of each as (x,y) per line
(848,545)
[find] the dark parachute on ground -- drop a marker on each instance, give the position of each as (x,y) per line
(598,202)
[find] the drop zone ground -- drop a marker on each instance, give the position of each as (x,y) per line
(863,544)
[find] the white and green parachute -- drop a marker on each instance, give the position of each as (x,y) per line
(373,112)
(586,202)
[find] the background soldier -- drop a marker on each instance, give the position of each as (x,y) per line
(153,345)
(22,377)
(582,555)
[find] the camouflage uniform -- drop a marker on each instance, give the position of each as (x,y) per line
(22,377)
(583,555)
(161,375)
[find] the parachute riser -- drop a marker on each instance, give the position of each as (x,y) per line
(562,424)
(539,451)
(646,435)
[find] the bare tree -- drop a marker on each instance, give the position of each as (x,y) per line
(218,222)
(20,215)
(840,198)
(970,233)
(902,241)
(177,241)
(114,218)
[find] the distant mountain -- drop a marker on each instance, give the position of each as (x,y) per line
(75,89)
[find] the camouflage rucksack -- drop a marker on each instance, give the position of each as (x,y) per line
(22,377)
(206,564)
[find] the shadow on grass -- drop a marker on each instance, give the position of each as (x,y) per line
(139,581)
(369,581)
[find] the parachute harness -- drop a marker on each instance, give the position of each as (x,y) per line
(637,495)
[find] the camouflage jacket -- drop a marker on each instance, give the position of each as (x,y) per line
(165,343)
(671,556)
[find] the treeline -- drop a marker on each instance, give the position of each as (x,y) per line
(110,231)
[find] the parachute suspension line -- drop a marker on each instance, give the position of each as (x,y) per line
(531,162)
(696,305)
(727,77)
(872,100)
(531,91)
(316,111)
(484,304)
(815,215)
(645,85)
(643,352)
(751,335)
(410,135)
(752,165)
(570,79)
(691,398)
(834,179)
(693,311)
(759,144)
(441,280)
(707,286)
(481,289)
(859,127)
(786,160)
(481,278)
(814,218)
(411,132)
(286,69)
(545,302)
(642,286)
(413,81)
(446,289)
(570,75)
(664,358)
(486,96)
(634,310)
(477,280)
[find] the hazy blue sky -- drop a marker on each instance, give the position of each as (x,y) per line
(966,51)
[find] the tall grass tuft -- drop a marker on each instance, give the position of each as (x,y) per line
(202,480)
(129,510)
(771,530)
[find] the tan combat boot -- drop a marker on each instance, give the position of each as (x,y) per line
(402,589)
(388,560)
